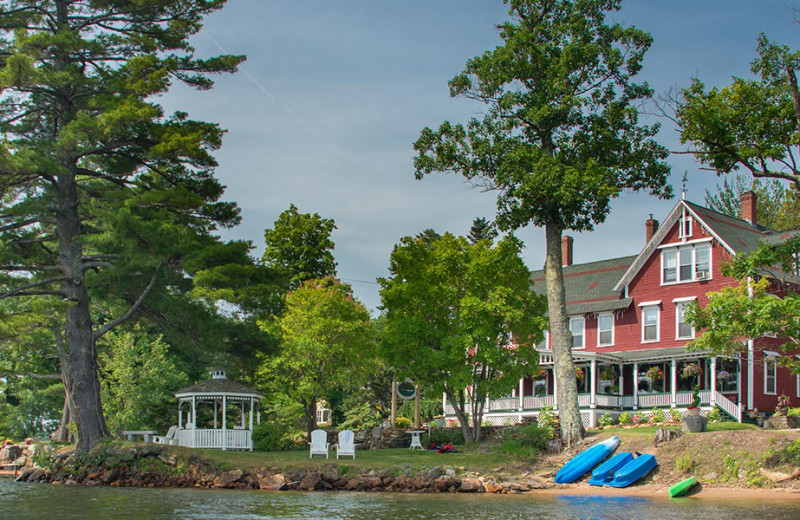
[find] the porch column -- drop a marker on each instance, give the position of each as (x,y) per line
(243,412)
(521,394)
(674,382)
(635,385)
(180,415)
(713,397)
(215,413)
(224,422)
(621,384)
(555,390)
(593,388)
(250,433)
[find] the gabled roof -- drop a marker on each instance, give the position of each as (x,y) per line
(589,287)
(735,235)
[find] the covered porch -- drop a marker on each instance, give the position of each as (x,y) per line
(217,414)
(633,381)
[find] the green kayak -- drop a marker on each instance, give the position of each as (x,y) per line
(682,487)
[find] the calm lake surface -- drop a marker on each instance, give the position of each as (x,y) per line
(42,501)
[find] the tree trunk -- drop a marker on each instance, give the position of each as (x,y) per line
(561,340)
(458,408)
(83,383)
(311,416)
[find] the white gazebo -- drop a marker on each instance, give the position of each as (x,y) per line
(219,393)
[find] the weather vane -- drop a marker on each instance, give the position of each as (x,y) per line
(683,186)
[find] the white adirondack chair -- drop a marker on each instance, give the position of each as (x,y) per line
(346,446)
(319,443)
(169,438)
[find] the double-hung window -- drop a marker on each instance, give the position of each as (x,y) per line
(770,374)
(670,266)
(605,329)
(649,323)
(683,329)
(576,327)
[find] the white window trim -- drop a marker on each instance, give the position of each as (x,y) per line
(684,299)
(658,322)
(650,303)
(687,243)
(583,334)
(682,227)
(677,247)
(604,314)
(678,306)
(770,360)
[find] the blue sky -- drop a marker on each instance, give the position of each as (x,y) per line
(324,112)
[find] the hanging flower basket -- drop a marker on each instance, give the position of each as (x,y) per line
(691,370)
(607,374)
(722,375)
(655,373)
(578,373)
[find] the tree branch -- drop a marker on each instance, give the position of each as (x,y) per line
(133,308)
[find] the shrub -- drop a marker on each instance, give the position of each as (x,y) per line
(657,415)
(274,437)
(403,423)
(361,417)
(714,415)
(547,419)
(606,420)
(526,441)
(793,412)
(625,418)
(675,415)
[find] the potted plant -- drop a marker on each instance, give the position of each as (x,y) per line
(783,405)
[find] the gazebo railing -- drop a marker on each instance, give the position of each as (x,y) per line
(215,438)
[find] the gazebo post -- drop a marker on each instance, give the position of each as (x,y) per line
(243,412)
(224,422)
(194,421)
(250,435)
(215,413)
(180,414)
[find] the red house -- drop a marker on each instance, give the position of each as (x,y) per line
(629,335)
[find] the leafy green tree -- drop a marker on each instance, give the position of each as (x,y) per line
(299,246)
(752,309)
(751,124)
(461,319)
(101,188)
(561,138)
(138,382)
(326,343)
(778,206)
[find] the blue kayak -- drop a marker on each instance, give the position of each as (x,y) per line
(586,460)
(605,471)
(633,471)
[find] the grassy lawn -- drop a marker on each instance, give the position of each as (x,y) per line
(478,458)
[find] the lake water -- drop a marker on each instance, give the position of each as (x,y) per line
(42,501)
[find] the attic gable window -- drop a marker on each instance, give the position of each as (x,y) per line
(685,226)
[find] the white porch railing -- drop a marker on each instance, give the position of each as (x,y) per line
(607,401)
(215,438)
(509,403)
(534,402)
(583,400)
(651,400)
(735,410)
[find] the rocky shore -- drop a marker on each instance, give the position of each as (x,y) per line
(153,466)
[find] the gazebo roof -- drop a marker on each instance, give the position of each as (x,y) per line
(219,386)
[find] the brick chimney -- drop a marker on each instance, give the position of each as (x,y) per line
(566,250)
(749,207)
(650,228)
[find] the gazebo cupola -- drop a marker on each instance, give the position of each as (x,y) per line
(228,431)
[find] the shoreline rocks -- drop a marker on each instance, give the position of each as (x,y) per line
(150,466)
